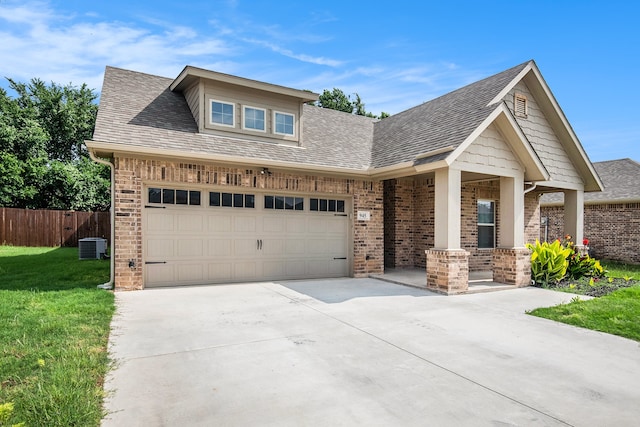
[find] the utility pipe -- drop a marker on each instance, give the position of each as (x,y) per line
(112,258)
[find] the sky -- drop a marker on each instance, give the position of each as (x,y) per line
(394,54)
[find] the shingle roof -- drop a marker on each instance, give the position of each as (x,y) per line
(621,179)
(439,123)
(139,110)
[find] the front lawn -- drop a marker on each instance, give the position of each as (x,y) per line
(616,310)
(53,339)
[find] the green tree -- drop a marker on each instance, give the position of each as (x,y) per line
(43,161)
(338,100)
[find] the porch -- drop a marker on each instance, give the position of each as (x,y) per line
(479,281)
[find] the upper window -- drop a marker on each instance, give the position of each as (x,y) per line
(326,205)
(283,123)
(520,107)
(222,113)
(171,196)
(486,224)
(254,118)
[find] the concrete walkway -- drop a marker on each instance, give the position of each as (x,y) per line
(349,352)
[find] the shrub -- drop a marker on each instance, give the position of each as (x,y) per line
(549,261)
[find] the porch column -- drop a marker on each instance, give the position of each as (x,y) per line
(511,260)
(447,263)
(574,215)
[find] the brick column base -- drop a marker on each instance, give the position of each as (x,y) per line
(512,266)
(447,271)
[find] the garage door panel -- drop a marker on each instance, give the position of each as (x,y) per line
(220,247)
(244,224)
(189,223)
(245,270)
(296,225)
(205,244)
(161,274)
(219,223)
(317,225)
(160,248)
(190,273)
(273,269)
(273,224)
(190,248)
(294,247)
(160,221)
(220,272)
(245,247)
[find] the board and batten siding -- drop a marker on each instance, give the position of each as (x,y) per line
(489,150)
(192,96)
(543,139)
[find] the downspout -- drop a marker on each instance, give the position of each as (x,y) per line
(533,187)
(112,259)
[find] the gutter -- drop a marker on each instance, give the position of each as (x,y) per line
(112,259)
(533,187)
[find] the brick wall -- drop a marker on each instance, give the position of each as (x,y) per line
(613,230)
(409,221)
(131,174)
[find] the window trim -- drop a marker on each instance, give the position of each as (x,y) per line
(244,118)
(275,124)
(233,115)
(486,224)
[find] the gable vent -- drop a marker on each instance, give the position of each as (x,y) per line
(520,105)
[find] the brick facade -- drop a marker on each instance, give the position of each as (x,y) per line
(447,271)
(132,173)
(613,230)
(512,266)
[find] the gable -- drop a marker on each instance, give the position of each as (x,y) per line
(543,138)
(489,153)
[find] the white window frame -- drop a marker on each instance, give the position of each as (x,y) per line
(275,124)
(233,116)
(244,118)
(487,224)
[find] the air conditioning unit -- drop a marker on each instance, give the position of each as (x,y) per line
(92,248)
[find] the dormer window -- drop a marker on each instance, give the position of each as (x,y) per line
(283,123)
(520,107)
(223,113)
(254,118)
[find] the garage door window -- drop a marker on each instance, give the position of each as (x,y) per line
(326,205)
(234,200)
(170,196)
(284,203)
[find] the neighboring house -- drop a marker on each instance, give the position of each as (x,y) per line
(223,179)
(611,218)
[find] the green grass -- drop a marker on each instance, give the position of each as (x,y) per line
(619,269)
(53,339)
(617,312)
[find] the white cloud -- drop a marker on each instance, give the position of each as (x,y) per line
(318,60)
(42,44)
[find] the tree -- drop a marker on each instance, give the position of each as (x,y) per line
(338,100)
(43,161)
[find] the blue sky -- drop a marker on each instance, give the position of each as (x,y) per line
(394,54)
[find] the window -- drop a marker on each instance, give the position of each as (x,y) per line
(283,123)
(520,107)
(170,196)
(486,224)
(284,203)
(222,113)
(254,118)
(234,200)
(326,205)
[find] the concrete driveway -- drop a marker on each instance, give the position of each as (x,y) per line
(344,352)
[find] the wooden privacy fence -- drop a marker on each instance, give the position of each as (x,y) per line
(27,227)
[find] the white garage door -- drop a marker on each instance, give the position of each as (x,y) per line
(199,237)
